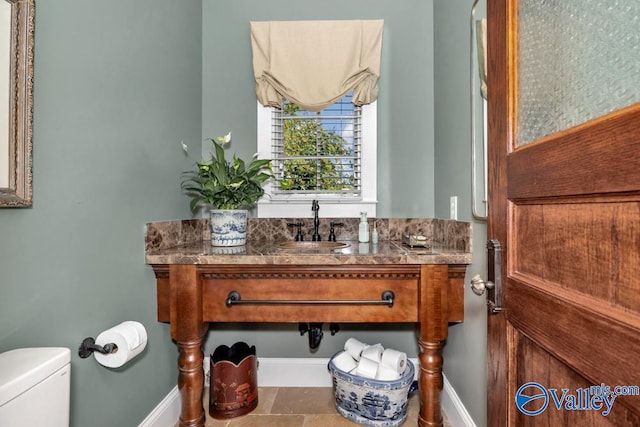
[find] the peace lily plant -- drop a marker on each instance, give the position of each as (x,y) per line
(226,184)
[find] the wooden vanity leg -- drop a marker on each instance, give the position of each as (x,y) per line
(430,383)
(188,330)
(433,306)
(191,383)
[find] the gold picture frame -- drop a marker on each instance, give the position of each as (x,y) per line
(16,189)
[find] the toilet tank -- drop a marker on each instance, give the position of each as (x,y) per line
(35,387)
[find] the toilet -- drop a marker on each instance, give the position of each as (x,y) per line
(35,387)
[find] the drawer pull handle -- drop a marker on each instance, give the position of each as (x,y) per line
(234,298)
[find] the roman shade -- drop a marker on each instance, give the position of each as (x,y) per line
(315,63)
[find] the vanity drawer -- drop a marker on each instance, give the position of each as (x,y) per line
(282,294)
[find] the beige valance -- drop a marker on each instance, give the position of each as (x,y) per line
(315,63)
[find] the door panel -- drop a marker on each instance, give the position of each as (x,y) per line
(534,362)
(598,347)
(565,204)
(589,248)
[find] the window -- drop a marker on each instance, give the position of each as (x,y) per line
(329,156)
(317,153)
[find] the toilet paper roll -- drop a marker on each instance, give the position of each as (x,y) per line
(387,374)
(373,352)
(367,368)
(394,359)
(344,362)
(354,348)
(131,339)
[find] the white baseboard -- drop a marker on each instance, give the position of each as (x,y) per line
(287,372)
(297,372)
(167,413)
(452,406)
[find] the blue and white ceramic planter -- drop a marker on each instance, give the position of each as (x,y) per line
(228,227)
(372,402)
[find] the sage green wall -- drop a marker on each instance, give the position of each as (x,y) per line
(465,352)
(405,127)
(117,87)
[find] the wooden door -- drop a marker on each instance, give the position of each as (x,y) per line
(565,207)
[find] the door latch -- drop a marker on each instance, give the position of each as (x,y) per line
(493,286)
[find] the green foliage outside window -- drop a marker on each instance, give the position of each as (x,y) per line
(315,158)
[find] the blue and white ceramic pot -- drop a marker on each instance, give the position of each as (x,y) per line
(228,227)
(370,402)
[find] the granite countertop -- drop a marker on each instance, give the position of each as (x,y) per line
(268,252)
(187,242)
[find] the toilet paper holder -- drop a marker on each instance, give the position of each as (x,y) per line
(89,345)
(117,345)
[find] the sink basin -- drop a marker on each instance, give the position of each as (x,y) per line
(312,246)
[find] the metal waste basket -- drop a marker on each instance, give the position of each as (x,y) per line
(234,381)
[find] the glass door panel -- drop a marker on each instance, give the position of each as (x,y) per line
(577,60)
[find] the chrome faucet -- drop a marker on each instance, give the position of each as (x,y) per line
(315,207)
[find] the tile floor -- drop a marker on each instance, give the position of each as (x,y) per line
(298,407)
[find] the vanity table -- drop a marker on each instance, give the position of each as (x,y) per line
(198,284)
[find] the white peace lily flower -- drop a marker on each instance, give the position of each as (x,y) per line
(184,146)
(222,140)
